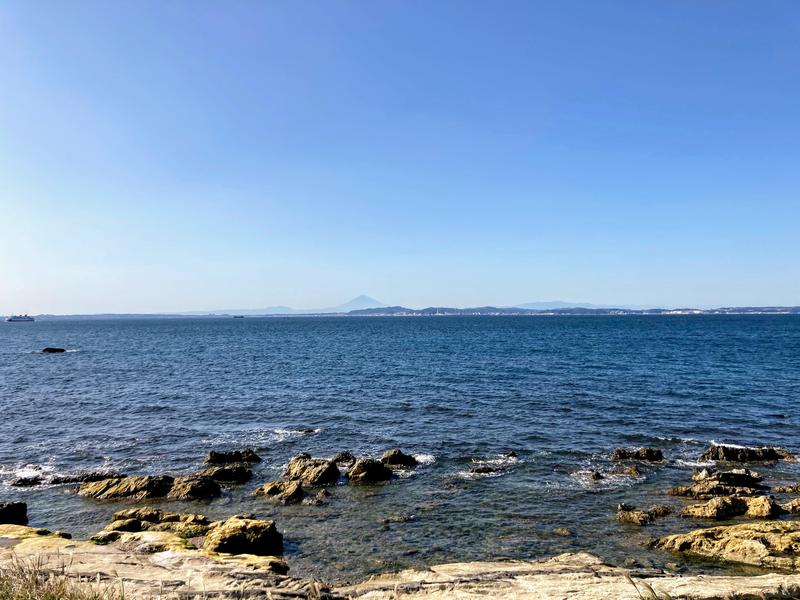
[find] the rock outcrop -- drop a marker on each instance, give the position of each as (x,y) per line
(13,513)
(397,458)
(627,513)
(368,470)
(284,492)
(245,536)
(228,473)
(51,350)
(344,458)
(645,454)
(710,483)
(311,471)
(86,477)
(147,487)
(27,481)
(770,544)
(187,525)
(232,456)
(743,454)
(728,507)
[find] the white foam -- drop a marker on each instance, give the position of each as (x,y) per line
(425,459)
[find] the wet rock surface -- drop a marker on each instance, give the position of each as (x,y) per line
(284,492)
(228,473)
(246,455)
(645,454)
(368,470)
(311,471)
(627,513)
(728,507)
(397,458)
(147,487)
(742,454)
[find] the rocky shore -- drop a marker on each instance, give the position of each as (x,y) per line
(153,552)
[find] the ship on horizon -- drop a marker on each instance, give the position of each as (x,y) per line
(19,319)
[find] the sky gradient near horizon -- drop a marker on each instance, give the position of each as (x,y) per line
(201,155)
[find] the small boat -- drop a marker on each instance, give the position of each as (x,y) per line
(19,319)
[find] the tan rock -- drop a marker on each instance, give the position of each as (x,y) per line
(728,507)
(311,471)
(131,488)
(284,492)
(245,536)
(193,488)
(771,544)
(368,470)
(793,507)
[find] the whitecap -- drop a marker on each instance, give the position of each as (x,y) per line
(425,459)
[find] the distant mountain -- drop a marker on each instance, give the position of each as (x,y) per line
(358,303)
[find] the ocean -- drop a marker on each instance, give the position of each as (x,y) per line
(148,396)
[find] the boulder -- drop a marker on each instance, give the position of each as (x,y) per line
(643,454)
(627,513)
(130,488)
(487,469)
(13,513)
(85,477)
(151,519)
(285,492)
(344,458)
(596,476)
(194,488)
(51,350)
(727,507)
(734,477)
(232,473)
(311,471)
(368,470)
(27,481)
(770,544)
(232,456)
(127,525)
(787,489)
(397,458)
(632,471)
(245,536)
(743,454)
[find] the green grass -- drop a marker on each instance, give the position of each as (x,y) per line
(31,580)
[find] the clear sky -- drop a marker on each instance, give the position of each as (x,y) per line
(161,156)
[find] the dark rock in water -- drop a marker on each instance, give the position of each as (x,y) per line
(285,492)
(227,473)
(132,488)
(27,481)
(311,471)
(85,477)
(319,498)
(50,350)
(232,456)
(397,458)
(627,513)
(737,477)
(13,513)
(486,469)
(194,488)
(632,471)
(643,454)
(344,458)
(511,454)
(737,454)
(368,470)
(596,476)
(245,536)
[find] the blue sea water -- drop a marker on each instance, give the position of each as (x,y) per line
(155,395)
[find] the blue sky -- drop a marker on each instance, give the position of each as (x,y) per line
(195,155)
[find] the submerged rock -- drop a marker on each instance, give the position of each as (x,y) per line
(27,481)
(13,513)
(311,471)
(245,536)
(397,458)
(771,544)
(285,492)
(232,473)
(368,470)
(232,456)
(742,454)
(87,477)
(646,454)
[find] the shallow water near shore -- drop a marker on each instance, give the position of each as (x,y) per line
(155,395)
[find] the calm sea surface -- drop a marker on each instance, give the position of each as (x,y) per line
(155,395)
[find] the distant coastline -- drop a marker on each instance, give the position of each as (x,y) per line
(433,311)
